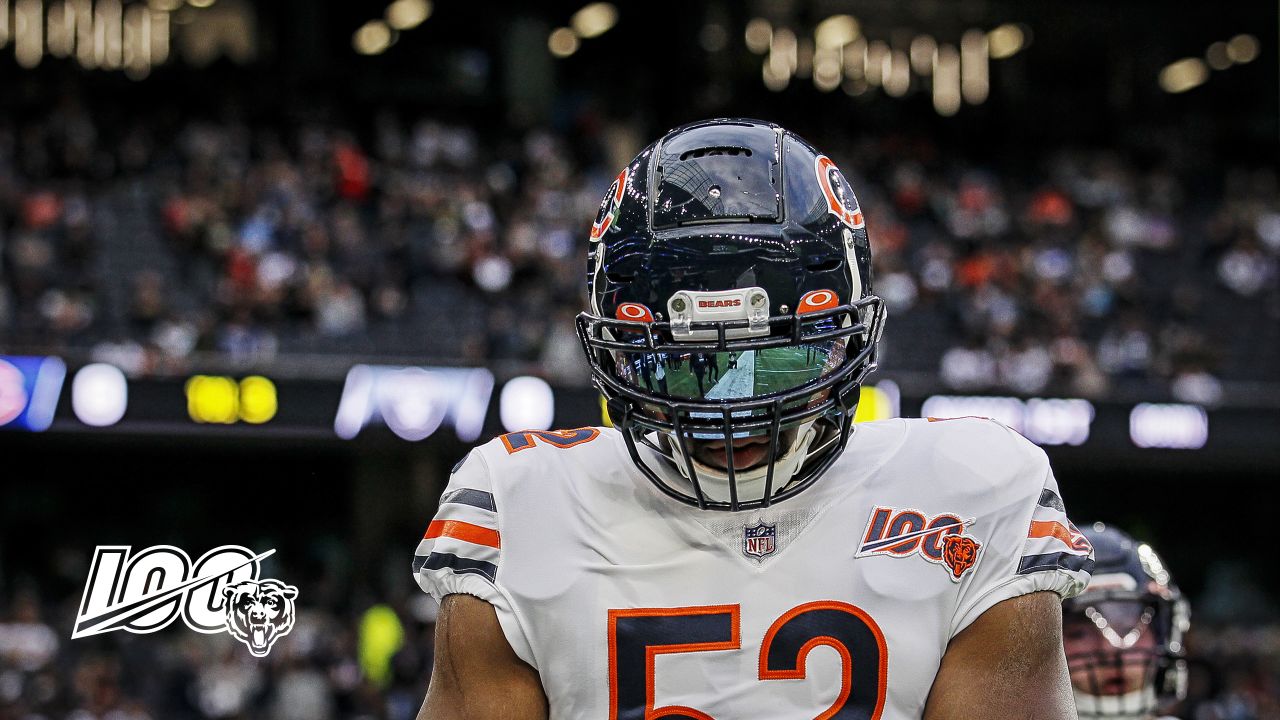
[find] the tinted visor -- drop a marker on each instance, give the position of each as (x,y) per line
(729,375)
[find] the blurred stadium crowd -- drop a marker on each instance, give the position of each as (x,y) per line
(143,240)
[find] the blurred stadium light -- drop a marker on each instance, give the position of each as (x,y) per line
(1243,49)
(1169,425)
(99,394)
(408,14)
(836,31)
(594,20)
(758,35)
(29,390)
(1005,41)
(527,403)
(881,401)
(1045,421)
(414,401)
(1183,75)
(372,38)
(562,42)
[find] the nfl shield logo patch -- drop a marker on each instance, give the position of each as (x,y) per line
(759,541)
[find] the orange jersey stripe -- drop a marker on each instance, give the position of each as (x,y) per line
(1053,529)
(463,531)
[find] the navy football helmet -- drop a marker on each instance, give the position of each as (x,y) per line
(1124,634)
(731,316)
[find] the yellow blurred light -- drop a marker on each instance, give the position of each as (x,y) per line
(878,62)
(1217,56)
(28,32)
(783,51)
(594,20)
(258,400)
(372,38)
(108,29)
(1242,49)
(773,79)
(408,14)
(1005,41)
(897,74)
(604,413)
(975,81)
(836,31)
(922,50)
(4,22)
(137,41)
(86,53)
(562,42)
(380,637)
(61,31)
(855,60)
(213,399)
(758,36)
(201,3)
(946,81)
(1183,75)
(159,37)
(827,68)
(877,403)
(164,5)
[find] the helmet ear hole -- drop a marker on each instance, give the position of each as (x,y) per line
(824,265)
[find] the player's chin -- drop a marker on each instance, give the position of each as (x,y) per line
(747,454)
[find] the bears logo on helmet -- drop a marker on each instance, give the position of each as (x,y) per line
(609,207)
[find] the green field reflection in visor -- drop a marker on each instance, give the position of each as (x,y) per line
(729,375)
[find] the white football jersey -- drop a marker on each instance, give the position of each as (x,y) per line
(837,603)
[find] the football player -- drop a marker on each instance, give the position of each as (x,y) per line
(735,548)
(1123,634)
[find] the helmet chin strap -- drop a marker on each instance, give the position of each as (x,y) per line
(1137,705)
(714,481)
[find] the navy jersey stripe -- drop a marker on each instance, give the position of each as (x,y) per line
(460,565)
(1055,561)
(458,465)
(1050,500)
(468,496)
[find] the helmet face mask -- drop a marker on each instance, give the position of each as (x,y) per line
(731,307)
(1123,635)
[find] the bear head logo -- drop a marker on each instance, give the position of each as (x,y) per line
(259,612)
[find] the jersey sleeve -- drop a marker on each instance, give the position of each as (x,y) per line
(1031,544)
(461,551)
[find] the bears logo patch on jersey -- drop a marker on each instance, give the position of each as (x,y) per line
(959,552)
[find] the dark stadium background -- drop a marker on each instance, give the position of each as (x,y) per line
(101,168)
